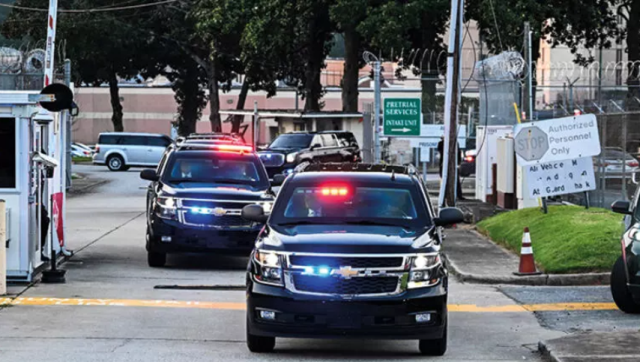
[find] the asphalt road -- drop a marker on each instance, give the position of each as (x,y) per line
(111,310)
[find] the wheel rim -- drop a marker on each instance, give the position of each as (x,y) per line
(115,163)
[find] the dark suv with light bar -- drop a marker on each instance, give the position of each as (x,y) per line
(196,196)
(349,250)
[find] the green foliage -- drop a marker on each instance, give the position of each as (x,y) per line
(569,239)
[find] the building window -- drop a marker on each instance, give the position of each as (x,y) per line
(8,153)
(299,127)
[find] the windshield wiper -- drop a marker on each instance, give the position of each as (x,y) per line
(304,222)
(372,222)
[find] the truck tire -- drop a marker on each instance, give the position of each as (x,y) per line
(619,290)
(260,344)
(156,260)
(435,347)
(115,163)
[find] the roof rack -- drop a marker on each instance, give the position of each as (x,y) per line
(215,136)
(356,167)
(215,146)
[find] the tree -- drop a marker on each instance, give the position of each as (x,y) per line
(576,24)
(94,62)
(630,11)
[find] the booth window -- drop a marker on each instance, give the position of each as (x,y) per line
(7,153)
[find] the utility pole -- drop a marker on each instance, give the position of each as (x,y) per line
(452,98)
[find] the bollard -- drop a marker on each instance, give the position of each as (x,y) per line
(3,249)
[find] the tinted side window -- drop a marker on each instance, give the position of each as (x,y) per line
(329,140)
(135,140)
(110,140)
(158,141)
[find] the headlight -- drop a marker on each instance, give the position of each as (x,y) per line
(423,270)
(268,268)
(291,158)
(166,208)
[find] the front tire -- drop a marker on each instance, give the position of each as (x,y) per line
(115,163)
(620,291)
(435,347)
(260,344)
(156,260)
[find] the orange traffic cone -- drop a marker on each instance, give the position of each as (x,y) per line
(527,264)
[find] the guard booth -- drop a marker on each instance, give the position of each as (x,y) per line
(26,171)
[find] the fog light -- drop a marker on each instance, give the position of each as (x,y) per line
(272,273)
(165,239)
(423,317)
(268,315)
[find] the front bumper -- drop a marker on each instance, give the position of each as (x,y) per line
(301,316)
(186,238)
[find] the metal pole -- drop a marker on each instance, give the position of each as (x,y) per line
(530,66)
(255,125)
(376,109)
(416,152)
(624,161)
(600,76)
(586,199)
(3,249)
(67,126)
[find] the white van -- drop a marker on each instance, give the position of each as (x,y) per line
(119,150)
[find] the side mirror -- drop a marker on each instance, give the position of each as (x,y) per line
(449,216)
(315,146)
(278,180)
(149,175)
(621,207)
(254,213)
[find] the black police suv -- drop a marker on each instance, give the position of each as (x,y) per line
(349,250)
(625,276)
(196,196)
(292,149)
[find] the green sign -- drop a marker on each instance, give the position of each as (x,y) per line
(402,117)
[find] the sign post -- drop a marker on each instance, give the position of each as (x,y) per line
(402,117)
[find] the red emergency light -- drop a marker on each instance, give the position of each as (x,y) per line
(233,148)
(334,191)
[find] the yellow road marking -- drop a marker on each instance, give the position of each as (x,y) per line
(464,308)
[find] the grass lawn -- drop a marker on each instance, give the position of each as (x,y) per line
(569,239)
(81,159)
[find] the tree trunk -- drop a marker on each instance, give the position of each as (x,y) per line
(214,98)
(350,74)
(189,102)
(242,99)
(116,106)
(315,62)
(633,46)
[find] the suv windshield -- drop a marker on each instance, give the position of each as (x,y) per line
(292,141)
(215,168)
(366,204)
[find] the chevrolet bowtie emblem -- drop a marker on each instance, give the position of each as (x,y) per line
(218,211)
(345,272)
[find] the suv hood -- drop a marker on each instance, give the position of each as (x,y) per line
(280,150)
(222,192)
(345,239)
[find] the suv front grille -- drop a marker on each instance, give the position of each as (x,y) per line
(353,262)
(214,221)
(353,286)
(272,159)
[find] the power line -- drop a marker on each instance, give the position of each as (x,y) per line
(96,10)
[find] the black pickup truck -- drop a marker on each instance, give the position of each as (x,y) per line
(292,149)
(349,250)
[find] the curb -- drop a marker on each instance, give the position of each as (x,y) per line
(533,280)
(547,354)
(85,188)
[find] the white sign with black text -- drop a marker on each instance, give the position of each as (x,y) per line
(557,139)
(560,177)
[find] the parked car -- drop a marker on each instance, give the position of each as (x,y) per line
(77,151)
(611,161)
(196,196)
(291,149)
(83,146)
(625,275)
(468,165)
(119,151)
(349,252)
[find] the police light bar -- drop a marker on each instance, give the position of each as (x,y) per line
(233,148)
(334,191)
